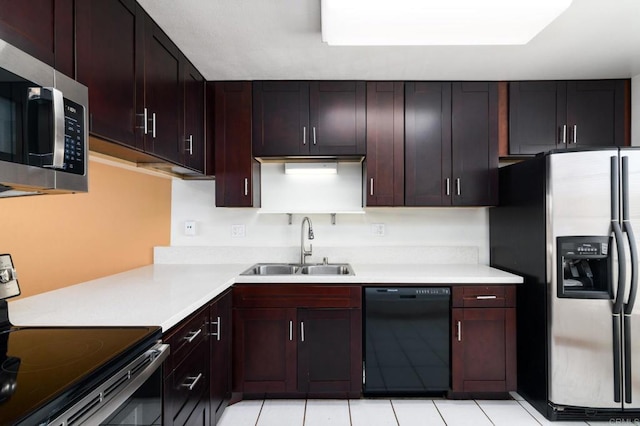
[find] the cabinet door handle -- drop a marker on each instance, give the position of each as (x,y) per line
(217,332)
(302,331)
(486,297)
(192,335)
(314,135)
(191,382)
(145,121)
(304,135)
(458,187)
(190,149)
(574,136)
(563,134)
(246,186)
(371,188)
(459,332)
(290,330)
(153,125)
(448,183)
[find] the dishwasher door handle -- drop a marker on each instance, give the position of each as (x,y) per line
(459,331)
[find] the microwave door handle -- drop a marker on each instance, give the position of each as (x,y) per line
(58,128)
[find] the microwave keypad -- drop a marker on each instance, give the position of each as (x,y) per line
(73,138)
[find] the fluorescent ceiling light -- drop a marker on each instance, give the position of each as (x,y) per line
(324,168)
(436,22)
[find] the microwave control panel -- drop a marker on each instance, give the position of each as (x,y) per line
(74,138)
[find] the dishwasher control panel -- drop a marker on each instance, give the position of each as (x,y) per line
(433,291)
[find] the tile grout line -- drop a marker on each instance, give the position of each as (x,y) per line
(483,412)
(393,409)
(349,408)
(525,409)
(304,414)
(259,412)
(438,410)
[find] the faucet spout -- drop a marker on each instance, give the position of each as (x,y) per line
(303,252)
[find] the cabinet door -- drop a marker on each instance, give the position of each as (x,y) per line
(42,28)
(264,350)
(537,116)
(337,118)
(280,118)
(483,350)
(329,351)
(474,142)
(596,113)
(220,338)
(385,143)
(234,163)
(427,144)
(194,143)
(109,55)
(163,94)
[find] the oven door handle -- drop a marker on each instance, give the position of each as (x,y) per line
(99,404)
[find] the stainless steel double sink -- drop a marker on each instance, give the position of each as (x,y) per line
(299,269)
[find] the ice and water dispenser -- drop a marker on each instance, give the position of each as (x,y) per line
(584,267)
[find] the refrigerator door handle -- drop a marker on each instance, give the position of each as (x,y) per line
(617,232)
(617,359)
(628,308)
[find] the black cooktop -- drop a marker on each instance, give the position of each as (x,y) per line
(46,369)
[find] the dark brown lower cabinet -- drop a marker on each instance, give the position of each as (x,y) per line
(220,359)
(197,374)
(326,342)
(297,341)
(483,349)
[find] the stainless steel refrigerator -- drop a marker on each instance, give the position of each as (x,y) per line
(565,222)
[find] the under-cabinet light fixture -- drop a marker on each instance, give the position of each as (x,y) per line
(315,168)
(436,22)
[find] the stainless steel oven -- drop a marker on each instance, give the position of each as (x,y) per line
(68,376)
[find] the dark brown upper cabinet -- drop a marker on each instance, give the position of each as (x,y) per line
(237,173)
(163,95)
(194,136)
(299,118)
(385,144)
(451,143)
(110,54)
(545,115)
(43,28)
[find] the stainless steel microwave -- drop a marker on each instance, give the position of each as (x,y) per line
(43,131)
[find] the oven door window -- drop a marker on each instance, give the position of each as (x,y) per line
(143,408)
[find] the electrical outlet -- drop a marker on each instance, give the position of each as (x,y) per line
(237,231)
(189,227)
(377,229)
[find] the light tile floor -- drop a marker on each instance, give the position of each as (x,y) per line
(387,412)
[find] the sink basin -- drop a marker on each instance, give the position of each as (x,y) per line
(271,269)
(298,269)
(342,269)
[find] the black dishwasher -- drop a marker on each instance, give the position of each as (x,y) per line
(407,340)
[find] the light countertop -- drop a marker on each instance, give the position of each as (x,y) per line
(164,294)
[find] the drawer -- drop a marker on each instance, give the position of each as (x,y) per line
(188,384)
(479,296)
(185,336)
(296,296)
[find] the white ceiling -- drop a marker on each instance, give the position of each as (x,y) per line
(281,39)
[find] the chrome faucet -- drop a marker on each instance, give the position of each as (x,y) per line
(304,253)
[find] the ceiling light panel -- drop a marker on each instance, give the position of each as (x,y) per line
(433,22)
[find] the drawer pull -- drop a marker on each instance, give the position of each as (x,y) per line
(486,297)
(192,335)
(459,331)
(193,382)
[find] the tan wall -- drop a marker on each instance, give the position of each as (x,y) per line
(60,240)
